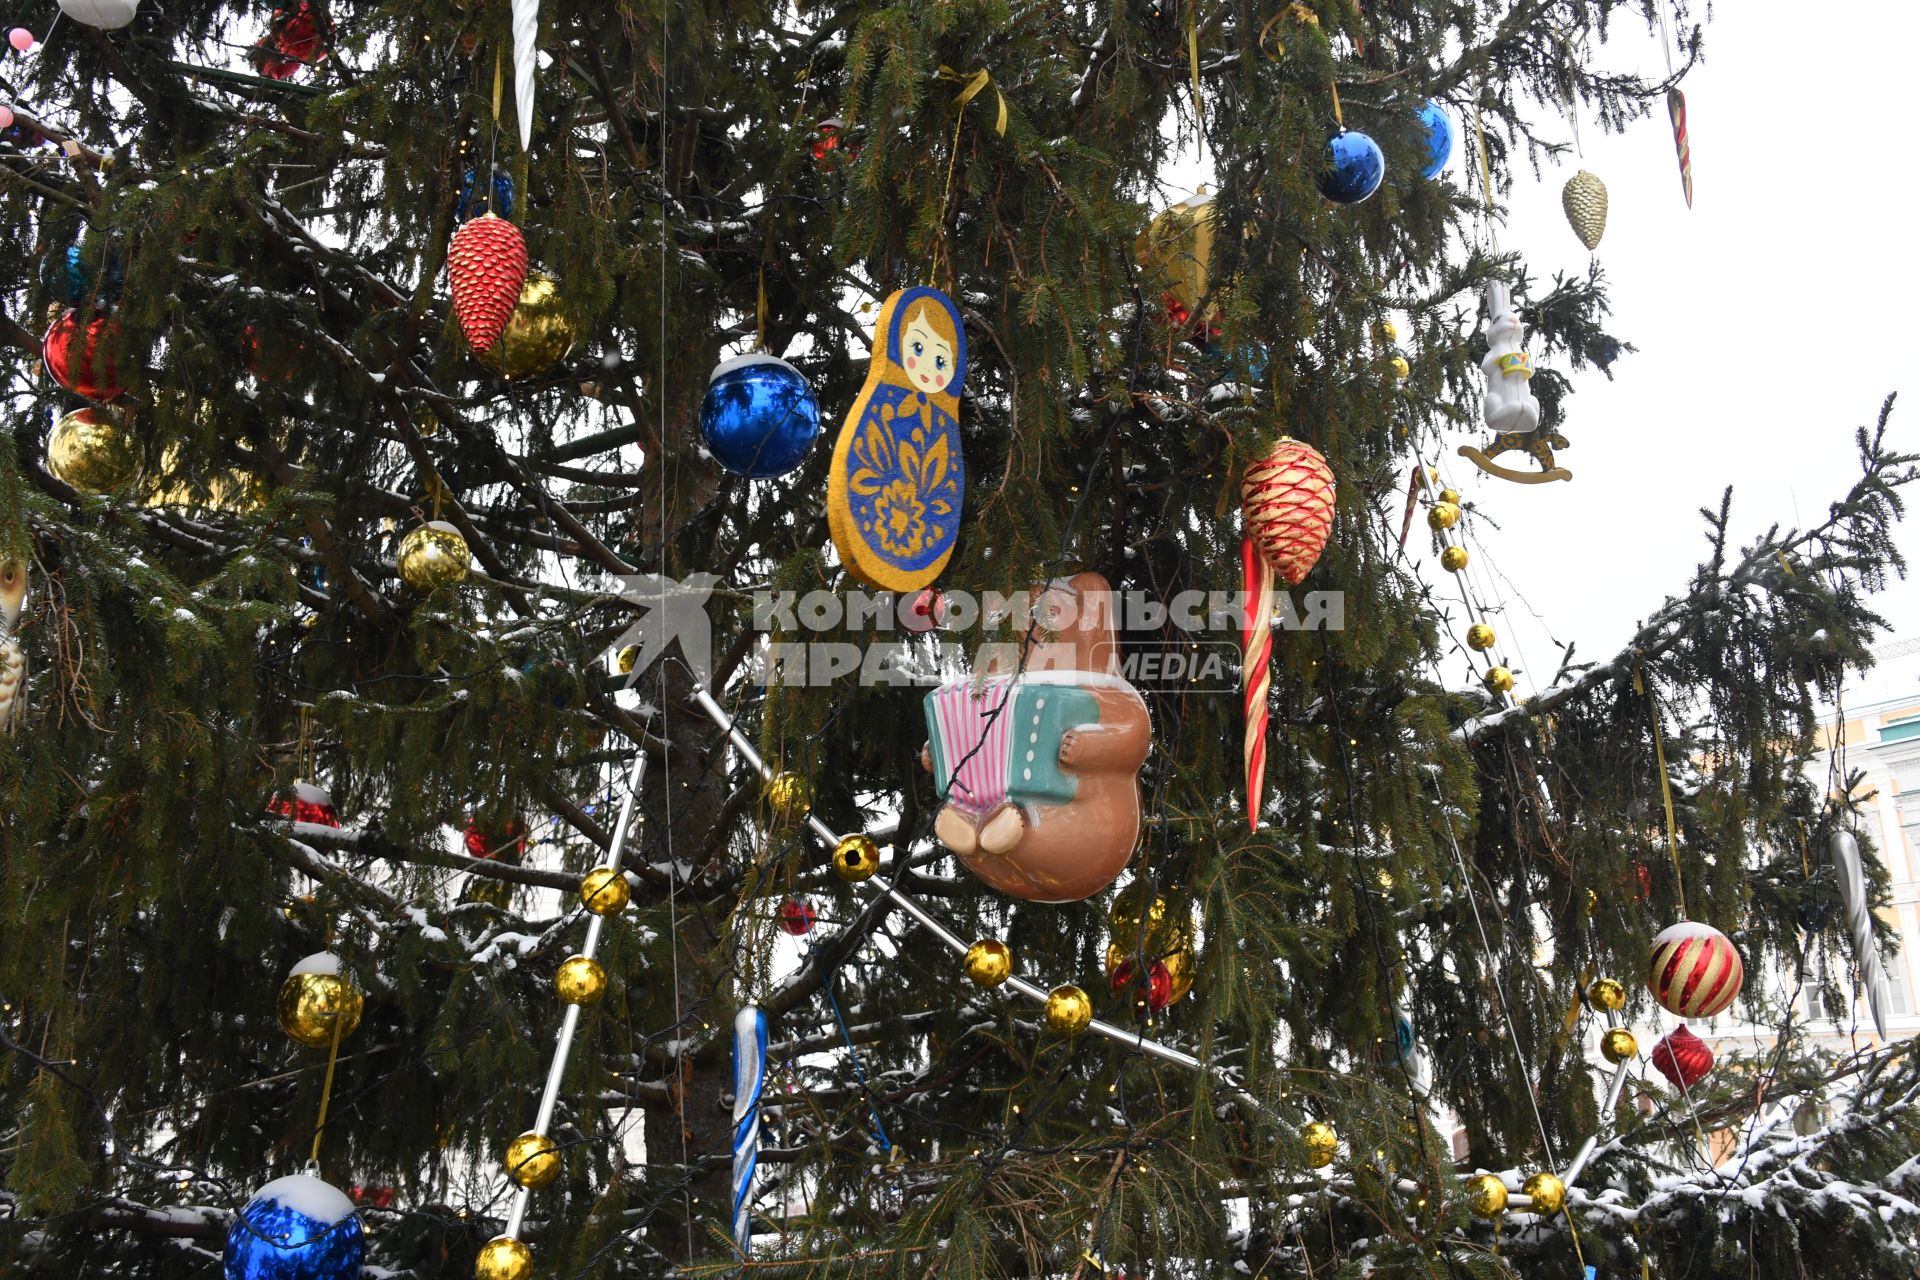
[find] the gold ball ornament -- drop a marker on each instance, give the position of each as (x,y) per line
(433,556)
(1498,680)
(1442,515)
(1548,1193)
(1606,995)
(856,858)
(1400,367)
(604,891)
(989,963)
(1453,559)
(1618,1046)
(1480,637)
(1450,495)
(1131,905)
(1486,1195)
(503,1258)
(93,450)
(1069,1010)
(1386,331)
(788,796)
(314,998)
(538,334)
(234,490)
(1322,1143)
(533,1160)
(581,980)
(627,657)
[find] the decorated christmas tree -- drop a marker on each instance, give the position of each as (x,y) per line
(1015,772)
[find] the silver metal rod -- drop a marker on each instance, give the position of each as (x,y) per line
(570,1021)
(1121,1035)
(1578,1165)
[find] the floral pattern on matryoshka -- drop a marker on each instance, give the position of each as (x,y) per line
(895,492)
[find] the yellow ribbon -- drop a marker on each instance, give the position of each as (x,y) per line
(971,87)
(1486,173)
(1299,13)
(1666,790)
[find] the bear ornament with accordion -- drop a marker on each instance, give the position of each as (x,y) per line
(1038,763)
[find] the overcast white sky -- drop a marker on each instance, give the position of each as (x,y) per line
(1769,318)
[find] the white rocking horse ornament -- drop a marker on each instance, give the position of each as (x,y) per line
(1510,407)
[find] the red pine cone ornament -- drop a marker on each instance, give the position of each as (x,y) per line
(1288,500)
(1682,1057)
(487,263)
(1694,972)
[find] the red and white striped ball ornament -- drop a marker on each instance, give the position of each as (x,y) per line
(486,266)
(1682,1057)
(1288,501)
(1694,971)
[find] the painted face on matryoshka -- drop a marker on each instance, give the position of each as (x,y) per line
(926,356)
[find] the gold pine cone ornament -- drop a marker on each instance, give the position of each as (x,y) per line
(1585,200)
(433,556)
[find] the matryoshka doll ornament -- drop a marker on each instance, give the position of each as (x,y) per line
(895,491)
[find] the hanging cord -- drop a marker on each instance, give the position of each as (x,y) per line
(859,1073)
(326,1091)
(493,132)
(1640,686)
(970,89)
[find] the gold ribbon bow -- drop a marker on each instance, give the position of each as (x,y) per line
(971,87)
(1299,13)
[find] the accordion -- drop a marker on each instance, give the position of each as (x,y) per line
(999,740)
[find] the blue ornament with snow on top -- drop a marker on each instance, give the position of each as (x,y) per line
(295,1228)
(1437,127)
(1352,168)
(759,417)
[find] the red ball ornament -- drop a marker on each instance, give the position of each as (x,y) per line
(797,916)
(1694,972)
(21,39)
(826,139)
(304,802)
(296,38)
(72,353)
(487,263)
(1683,1058)
(1288,500)
(1159,983)
(927,610)
(507,845)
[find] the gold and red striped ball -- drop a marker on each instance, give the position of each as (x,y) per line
(1287,497)
(1694,971)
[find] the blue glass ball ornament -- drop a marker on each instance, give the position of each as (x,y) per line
(472,205)
(295,1228)
(759,417)
(1354,168)
(69,276)
(1438,126)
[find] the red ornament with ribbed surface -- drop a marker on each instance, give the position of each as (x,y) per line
(304,802)
(1682,1057)
(1288,500)
(73,356)
(487,263)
